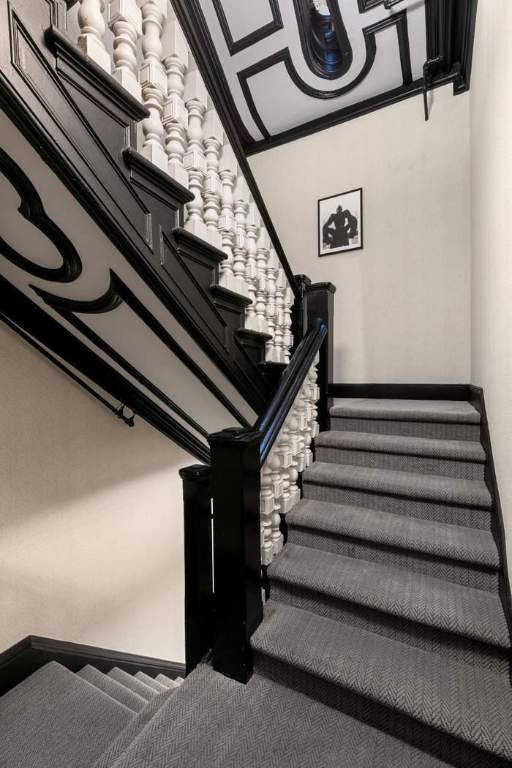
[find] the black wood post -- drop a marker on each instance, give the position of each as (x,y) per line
(320,303)
(198,563)
(299,309)
(235,467)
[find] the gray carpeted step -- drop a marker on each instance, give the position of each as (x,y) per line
(108,685)
(157,686)
(55,719)
(466,624)
(463,555)
(471,705)
(453,458)
(167,681)
(446,499)
(131,682)
(444,420)
(261,725)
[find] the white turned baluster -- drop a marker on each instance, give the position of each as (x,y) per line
(196,97)
(125,21)
(293,471)
(175,115)
(286,458)
(153,80)
(266,512)
(252,225)
(263,246)
(301,413)
(92,31)
(227,170)
(213,134)
(241,205)
(287,322)
(271,355)
(279,317)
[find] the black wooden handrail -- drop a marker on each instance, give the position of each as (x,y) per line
(271,421)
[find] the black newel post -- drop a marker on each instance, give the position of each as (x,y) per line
(299,309)
(198,563)
(235,466)
(320,303)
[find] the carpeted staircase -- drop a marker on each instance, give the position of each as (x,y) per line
(384,642)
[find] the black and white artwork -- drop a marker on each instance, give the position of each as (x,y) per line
(340,222)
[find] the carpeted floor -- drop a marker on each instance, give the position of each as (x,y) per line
(384,641)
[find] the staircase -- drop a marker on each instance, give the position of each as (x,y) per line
(384,641)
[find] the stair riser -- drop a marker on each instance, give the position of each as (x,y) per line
(431,429)
(421,464)
(454,751)
(466,574)
(446,644)
(424,510)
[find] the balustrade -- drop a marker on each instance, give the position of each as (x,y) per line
(140,42)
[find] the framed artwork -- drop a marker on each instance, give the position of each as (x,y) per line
(340,222)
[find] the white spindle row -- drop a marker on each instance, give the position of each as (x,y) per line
(290,455)
(141,43)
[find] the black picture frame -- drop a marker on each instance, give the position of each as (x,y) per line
(351,203)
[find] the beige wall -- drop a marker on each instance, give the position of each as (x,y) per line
(403,303)
(91,534)
(491,233)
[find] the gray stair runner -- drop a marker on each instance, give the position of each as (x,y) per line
(108,685)
(55,719)
(146,691)
(151,682)
(384,642)
(454,458)
(438,419)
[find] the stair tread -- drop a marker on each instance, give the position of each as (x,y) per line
(458,450)
(132,683)
(448,490)
(47,720)
(457,411)
(151,682)
(423,599)
(455,542)
(460,700)
(112,687)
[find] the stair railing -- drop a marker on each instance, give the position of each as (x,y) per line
(141,44)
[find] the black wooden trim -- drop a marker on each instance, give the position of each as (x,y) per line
(402,391)
(33,652)
(187,240)
(476,397)
(235,46)
(32,209)
(235,479)
(109,301)
(270,423)
(193,23)
(107,85)
(319,303)
(56,106)
(199,597)
(23,312)
(119,412)
(141,169)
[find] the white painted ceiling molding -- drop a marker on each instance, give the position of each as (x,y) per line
(261,47)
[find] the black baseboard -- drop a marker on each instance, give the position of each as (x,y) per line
(402,391)
(19,661)
(498,526)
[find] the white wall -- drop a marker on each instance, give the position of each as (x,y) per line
(491,233)
(402,305)
(91,533)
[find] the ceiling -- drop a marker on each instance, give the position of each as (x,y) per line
(284,68)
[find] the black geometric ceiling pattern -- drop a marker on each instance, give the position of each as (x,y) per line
(284,68)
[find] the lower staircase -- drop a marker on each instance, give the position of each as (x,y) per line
(385,639)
